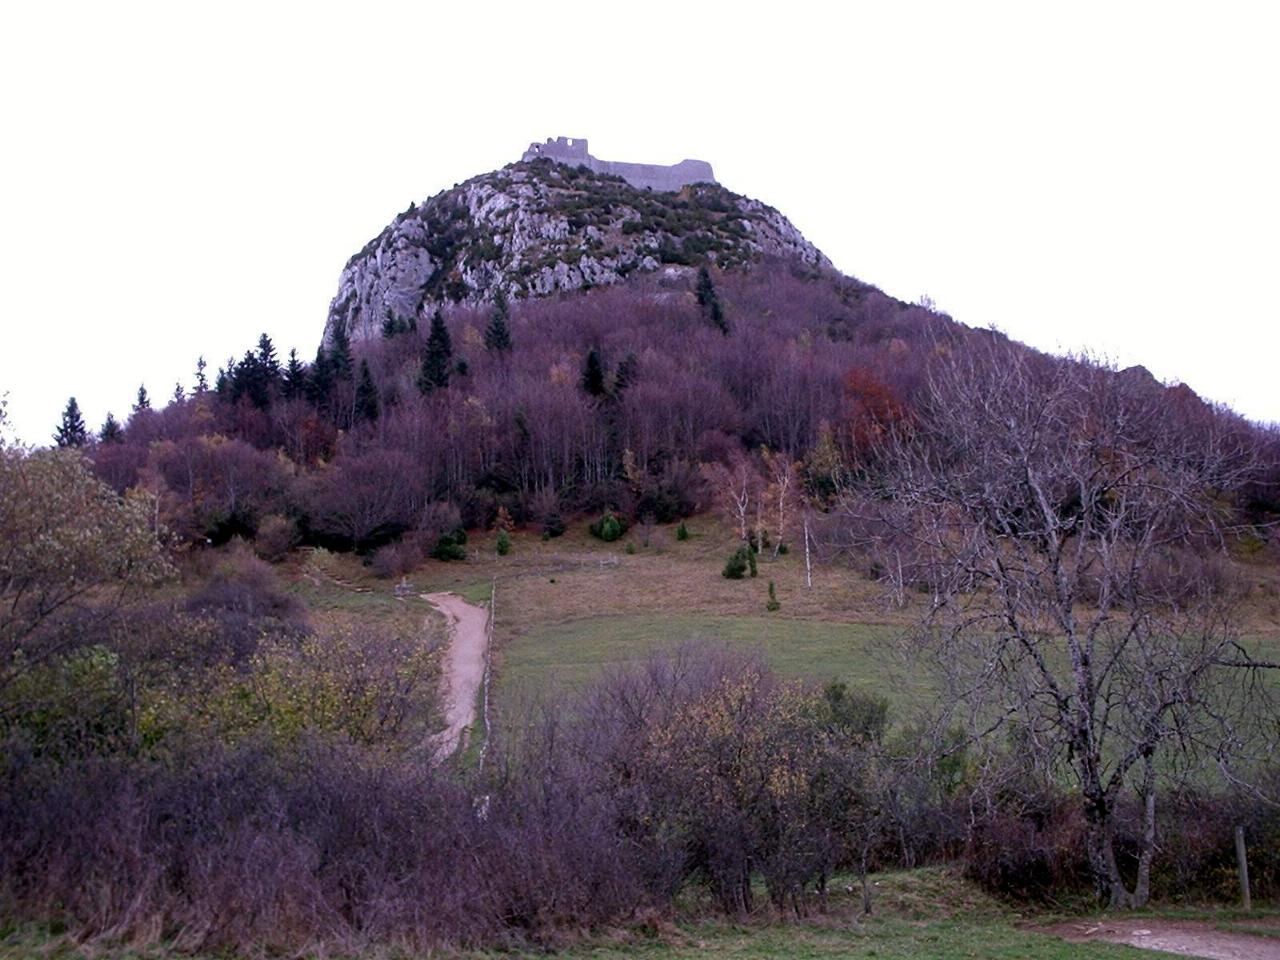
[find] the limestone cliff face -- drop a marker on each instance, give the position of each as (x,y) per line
(538,228)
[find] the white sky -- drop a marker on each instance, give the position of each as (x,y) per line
(176,178)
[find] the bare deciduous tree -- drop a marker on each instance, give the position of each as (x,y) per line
(1069,516)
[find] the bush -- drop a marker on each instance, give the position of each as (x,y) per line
(449,546)
(773,604)
(552,526)
(245,605)
(276,536)
(504,543)
(1034,849)
(751,561)
(682,532)
(396,559)
(609,527)
(736,566)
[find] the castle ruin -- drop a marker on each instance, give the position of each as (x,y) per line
(645,176)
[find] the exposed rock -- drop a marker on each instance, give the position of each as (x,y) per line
(539,228)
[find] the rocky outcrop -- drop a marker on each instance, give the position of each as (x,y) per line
(538,228)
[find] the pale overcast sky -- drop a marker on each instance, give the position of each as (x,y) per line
(177,178)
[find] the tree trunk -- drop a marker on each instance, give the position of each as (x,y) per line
(1142,889)
(1100,842)
(866,884)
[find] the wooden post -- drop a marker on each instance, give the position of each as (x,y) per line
(1242,862)
(808,568)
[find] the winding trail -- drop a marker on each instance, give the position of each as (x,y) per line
(464,666)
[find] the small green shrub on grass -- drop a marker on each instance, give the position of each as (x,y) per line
(682,532)
(773,604)
(609,527)
(735,567)
(504,543)
(449,546)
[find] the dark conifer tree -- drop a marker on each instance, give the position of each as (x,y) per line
(497,336)
(340,353)
(202,382)
(709,301)
(593,374)
(222,383)
(143,402)
(366,395)
(250,380)
(625,374)
(111,431)
(320,382)
(179,395)
(268,363)
(294,381)
(71,431)
(436,363)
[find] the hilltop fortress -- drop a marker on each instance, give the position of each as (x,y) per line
(650,176)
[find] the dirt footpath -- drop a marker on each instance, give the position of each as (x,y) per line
(463,668)
(1182,937)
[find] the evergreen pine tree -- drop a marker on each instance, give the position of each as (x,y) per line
(202,382)
(71,431)
(593,374)
(268,363)
(179,395)
(625,374)
(320,383)
(143,402)
(435,364)
(294,382)
(224,384)
(497,336)
(340,353)
(366,395)
(111,431)
(709,301)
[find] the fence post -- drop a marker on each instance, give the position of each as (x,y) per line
(1242,862)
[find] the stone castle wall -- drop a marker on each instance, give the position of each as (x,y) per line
(651,176)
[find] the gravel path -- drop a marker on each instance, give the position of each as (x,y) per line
(463,672)
(1184,938)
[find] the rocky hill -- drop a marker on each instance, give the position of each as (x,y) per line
(539,227)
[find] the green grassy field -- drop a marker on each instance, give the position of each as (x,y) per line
(572,653)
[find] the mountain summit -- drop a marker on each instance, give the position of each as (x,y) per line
(547,225)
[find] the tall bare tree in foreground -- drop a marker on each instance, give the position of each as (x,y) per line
(1071,522)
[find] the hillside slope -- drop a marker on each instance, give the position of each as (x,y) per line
(538,228)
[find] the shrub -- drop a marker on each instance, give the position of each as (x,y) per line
(773,604)
(552,526)
(735,567)
(504,543)
(396,559)
(751,561)
(246,605)
(450,546)
(276,536)
(1033,848)
(609,527)
(682,532)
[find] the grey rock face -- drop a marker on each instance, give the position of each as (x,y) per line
(540,228)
